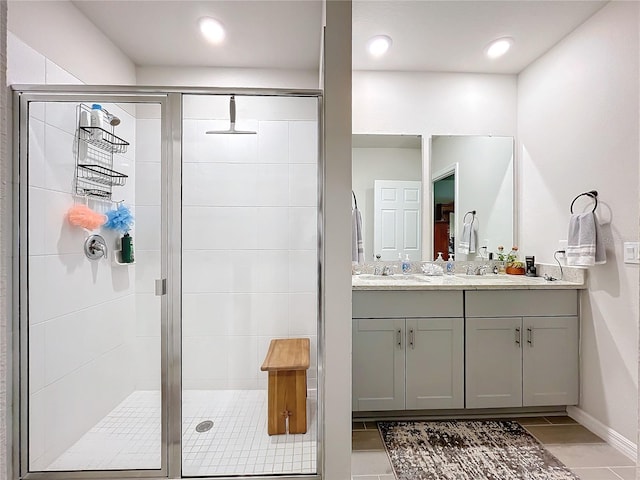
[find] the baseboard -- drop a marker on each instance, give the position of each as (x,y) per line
(613,438)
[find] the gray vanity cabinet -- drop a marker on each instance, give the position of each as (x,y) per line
(521,348)
(408,350)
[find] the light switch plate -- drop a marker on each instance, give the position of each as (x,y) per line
(631,252)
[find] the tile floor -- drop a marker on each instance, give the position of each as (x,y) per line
(584,453)
(238,443)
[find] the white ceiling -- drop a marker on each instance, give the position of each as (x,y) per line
(427,35)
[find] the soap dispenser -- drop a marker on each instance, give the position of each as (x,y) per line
(450,265)
(406,265)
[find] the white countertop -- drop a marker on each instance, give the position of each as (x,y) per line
(459,282)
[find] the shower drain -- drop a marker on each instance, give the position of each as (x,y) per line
(204,426)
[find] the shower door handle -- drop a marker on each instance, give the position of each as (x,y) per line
(161,287)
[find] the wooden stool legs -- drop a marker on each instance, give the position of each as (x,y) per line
(287,399)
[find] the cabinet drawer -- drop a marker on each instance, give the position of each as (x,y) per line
(525,303)
(403,304)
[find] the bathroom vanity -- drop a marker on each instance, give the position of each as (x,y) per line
(464,342)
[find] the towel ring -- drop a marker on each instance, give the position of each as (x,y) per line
(472,212)
(592,193)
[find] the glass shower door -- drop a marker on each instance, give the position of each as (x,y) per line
(91,355)
(249,276)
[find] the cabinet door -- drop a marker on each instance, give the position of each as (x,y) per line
(494,362)
(378,364)
(435,363)
(550,361)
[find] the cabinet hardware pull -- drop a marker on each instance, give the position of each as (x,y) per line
(518,336)
(399,337)
(530,336)
(411,339)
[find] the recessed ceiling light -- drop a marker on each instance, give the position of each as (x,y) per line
(379,45)
(212,29)
(499,47)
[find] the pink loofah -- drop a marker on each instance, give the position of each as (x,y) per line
(83,216)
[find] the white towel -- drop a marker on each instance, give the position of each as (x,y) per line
(468,240)
(585,245)
(357,249)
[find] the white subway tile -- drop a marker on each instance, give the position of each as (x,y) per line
(272,271)
(147,362)
(62,115)
(36,153)
(242,362)
(272,314)
(273,142)
(59,159)
(303,185)
(214,228)
(303,142)
(303,270)
(148,140)
(148,321)
(219,184)
(37,360)
(303,314)
(38,290)
(148,183)
(148,228)
(218,314)
(205,358)
(37,420)
(273,228)
(303,228)
(218,271)
(60,236)
(36,220)
(272,184)
(147,270)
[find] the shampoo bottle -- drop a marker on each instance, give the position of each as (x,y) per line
(97,121)
(127,248)
(450,265)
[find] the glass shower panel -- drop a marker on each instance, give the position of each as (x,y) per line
(249,275)
(94,349)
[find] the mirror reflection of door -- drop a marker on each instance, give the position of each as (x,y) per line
(443,216)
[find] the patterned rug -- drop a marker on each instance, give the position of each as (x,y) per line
(468,450)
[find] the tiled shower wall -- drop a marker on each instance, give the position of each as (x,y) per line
(81,313)
(249,236)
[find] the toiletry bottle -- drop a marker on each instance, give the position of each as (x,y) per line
(439,260)
(377,269)
(450,265)
(127,248)
(97,121)
(406,265)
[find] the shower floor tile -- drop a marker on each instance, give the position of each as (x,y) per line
(237,444)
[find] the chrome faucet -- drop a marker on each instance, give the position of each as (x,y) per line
(476,270)
(387,270)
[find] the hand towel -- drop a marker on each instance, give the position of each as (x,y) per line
(468,240)
(357,249)
(585,245)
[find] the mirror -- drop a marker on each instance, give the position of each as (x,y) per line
(387,188)
(473,195)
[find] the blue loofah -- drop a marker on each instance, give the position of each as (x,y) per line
(119,219)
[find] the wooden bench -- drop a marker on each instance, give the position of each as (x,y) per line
(287,362)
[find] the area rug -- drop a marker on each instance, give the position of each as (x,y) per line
(468,450)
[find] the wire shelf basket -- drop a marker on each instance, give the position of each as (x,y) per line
(103,139)
(101,175)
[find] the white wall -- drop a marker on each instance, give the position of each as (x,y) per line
(427,103)
(370,164)
(249,236)
(578,131)
(59,31)
(227,77)
(485,184)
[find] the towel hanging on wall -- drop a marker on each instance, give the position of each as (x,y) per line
(357,248)
(585,244)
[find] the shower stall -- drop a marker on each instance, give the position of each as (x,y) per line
(139,340)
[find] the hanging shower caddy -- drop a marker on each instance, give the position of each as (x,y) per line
(95,146)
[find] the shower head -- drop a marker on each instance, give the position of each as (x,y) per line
(232,117)
(111,118)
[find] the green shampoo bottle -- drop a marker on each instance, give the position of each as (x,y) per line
(127,248)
